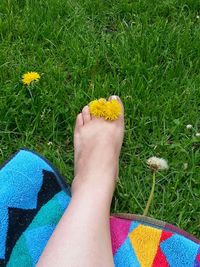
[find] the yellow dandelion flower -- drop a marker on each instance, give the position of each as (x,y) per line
(29,77)
(112,110)
(97,107)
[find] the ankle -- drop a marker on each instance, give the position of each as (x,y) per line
(95,189)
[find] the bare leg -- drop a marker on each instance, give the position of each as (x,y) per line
(82,237)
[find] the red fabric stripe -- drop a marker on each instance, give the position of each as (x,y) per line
(160,259)
(165,235)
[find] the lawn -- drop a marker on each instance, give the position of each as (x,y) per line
(147,52)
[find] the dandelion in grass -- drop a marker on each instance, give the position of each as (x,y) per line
(155,164)
(197,134)
(30,77)
(185,166)
(189,126)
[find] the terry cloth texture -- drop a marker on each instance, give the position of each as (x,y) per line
(142,241)
(33,197)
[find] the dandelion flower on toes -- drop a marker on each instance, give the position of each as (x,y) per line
(156,164)
(109,110)
(112,110)
(29,77)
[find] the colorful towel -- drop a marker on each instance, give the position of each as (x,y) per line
(146,242)
(33,197)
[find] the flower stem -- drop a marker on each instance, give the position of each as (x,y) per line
(29,90)
(151,195)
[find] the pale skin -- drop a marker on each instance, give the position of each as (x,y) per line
(82,237)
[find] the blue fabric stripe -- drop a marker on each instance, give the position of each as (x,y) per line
(134,224)
(125,256)
(179,251)
(39,231)
(20,181)
(37,239)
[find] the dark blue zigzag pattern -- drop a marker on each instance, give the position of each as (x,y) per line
(20,181)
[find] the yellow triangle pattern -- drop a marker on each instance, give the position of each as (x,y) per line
(145,241)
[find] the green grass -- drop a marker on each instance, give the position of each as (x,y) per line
(147,52)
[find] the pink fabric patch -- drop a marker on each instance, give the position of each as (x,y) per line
(119,230)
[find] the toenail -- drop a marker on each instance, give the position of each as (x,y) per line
(115,97)
(85,108)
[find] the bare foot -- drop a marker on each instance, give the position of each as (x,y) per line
(97,146)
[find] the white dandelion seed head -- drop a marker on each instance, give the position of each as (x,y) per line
(197,134)
(189,126)
(49,143)
(185,166)
(197,17)
(156,164)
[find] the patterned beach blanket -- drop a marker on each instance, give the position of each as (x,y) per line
(34,196)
